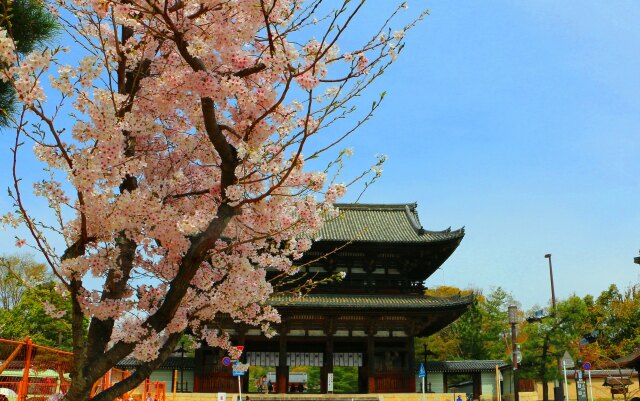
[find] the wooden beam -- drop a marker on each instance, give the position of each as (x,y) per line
(10,358)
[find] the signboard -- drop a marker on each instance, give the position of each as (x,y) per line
(581,390)
(239,369)
(422,372)
(222,396)
(330,382)
(567,360)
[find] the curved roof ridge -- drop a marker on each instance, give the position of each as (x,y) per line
(412,216)
(397,222)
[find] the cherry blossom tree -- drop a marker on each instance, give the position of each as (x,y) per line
(173,155)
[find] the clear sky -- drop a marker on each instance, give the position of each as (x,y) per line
(519,120)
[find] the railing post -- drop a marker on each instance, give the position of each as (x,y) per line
(23,388)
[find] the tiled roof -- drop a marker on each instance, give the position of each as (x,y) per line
(631,360)
(382,223)
(469,366)
(604,372)
(173,362)
(368,301)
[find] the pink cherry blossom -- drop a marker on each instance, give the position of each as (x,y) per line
(178,178)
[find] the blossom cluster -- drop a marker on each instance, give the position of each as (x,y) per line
(146,166)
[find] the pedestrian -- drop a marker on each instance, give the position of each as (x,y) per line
(459,398)
(269,385)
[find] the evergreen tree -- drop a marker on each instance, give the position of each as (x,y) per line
(31,25)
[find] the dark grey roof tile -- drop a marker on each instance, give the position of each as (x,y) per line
(382,223)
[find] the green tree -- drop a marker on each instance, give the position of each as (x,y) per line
(17,273)
(31,25)
(345,379)
(478,334)
(616,315)
(545,342)
(30,318)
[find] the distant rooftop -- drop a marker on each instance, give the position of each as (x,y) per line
(382,223)
(468,366)
(172,362)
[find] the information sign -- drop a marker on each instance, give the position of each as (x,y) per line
(222,396)
(581,390)
(330,382)
(567,360)
(422,372)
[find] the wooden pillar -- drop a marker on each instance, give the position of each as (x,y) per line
(330,330)
(477,386)
(328,363)
(371,364)
(198,368)
(410,365)
(282,372)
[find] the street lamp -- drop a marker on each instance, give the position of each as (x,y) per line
(513,320)
(181,351)
(558,394)
(553,291)
(427,352)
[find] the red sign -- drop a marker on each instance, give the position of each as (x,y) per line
(239,347)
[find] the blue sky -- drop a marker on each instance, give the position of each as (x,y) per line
(520,121)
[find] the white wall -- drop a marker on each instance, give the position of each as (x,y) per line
(488,382)
(437,382)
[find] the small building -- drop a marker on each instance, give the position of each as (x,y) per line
(476,378)
(176,370)
(367,321)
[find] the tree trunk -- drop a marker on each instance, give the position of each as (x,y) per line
(545,384)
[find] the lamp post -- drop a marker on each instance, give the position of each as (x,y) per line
(553,291)
(558,394)
(427,384)
(513,320)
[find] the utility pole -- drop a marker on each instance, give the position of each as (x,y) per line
(558,394)
(513,319)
